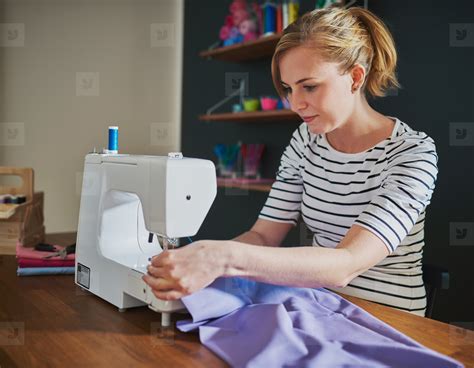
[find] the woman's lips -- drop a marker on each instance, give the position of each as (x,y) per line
(308,119)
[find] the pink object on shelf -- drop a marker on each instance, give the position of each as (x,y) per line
(224,33)
(30,253)
(248,28)
(268,103)
(252,155)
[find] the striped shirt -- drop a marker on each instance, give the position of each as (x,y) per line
(385,189)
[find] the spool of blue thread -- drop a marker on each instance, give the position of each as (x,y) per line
(269,15)
(113,139)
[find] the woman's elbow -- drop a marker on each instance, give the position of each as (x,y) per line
(342,281)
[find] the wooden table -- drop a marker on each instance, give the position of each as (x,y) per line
(49,321)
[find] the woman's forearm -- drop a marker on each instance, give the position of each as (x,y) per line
(251,237)
(297,266)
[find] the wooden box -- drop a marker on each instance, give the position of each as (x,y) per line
(21,222)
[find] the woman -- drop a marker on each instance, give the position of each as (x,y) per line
(360,180)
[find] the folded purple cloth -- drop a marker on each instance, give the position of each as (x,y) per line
(252,324)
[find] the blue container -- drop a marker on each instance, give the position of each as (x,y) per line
(113,139)
(269,16)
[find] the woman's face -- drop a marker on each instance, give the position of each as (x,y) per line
(316,90)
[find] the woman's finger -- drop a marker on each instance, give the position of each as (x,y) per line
(158,283)
(156,271)
(157,261)
(168,295)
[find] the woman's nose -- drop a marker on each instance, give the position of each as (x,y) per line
(297,103)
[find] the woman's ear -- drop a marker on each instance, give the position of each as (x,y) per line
(358,77)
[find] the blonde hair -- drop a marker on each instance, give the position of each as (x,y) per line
(348,37)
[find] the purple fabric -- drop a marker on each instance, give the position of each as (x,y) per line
(252,324)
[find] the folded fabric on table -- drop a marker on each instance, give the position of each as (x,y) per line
(34,271)
(252,324)
(30,253)
(29,262)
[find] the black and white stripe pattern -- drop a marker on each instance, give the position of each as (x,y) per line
(384,189)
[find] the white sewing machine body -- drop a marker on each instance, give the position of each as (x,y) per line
(124,199)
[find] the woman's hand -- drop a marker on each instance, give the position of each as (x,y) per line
(179,272)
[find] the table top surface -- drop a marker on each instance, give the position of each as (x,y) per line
(50,321)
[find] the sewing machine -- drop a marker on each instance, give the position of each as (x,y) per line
(133,207)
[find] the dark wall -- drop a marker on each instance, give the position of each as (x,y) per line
(438,83)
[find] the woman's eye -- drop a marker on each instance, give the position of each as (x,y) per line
(287,90)
(309,88)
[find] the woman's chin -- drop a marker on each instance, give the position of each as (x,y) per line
(316,128)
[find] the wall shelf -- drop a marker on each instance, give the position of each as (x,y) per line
(262,185)
(262,48)
(251,50)
(256,116)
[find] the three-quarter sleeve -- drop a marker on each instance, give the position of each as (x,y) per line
(284,201)
(406,190)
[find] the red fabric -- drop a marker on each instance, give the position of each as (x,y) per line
(28,262)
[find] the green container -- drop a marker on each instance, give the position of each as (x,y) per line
(251,104)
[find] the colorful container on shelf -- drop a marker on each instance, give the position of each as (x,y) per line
(268,103)
(251,104)
(227,157)
(239,160)
(293,9)
(279,18)
(237,108)
(289,12)
(269,18)
(251,158)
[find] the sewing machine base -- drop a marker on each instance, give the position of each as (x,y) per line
(136,294)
